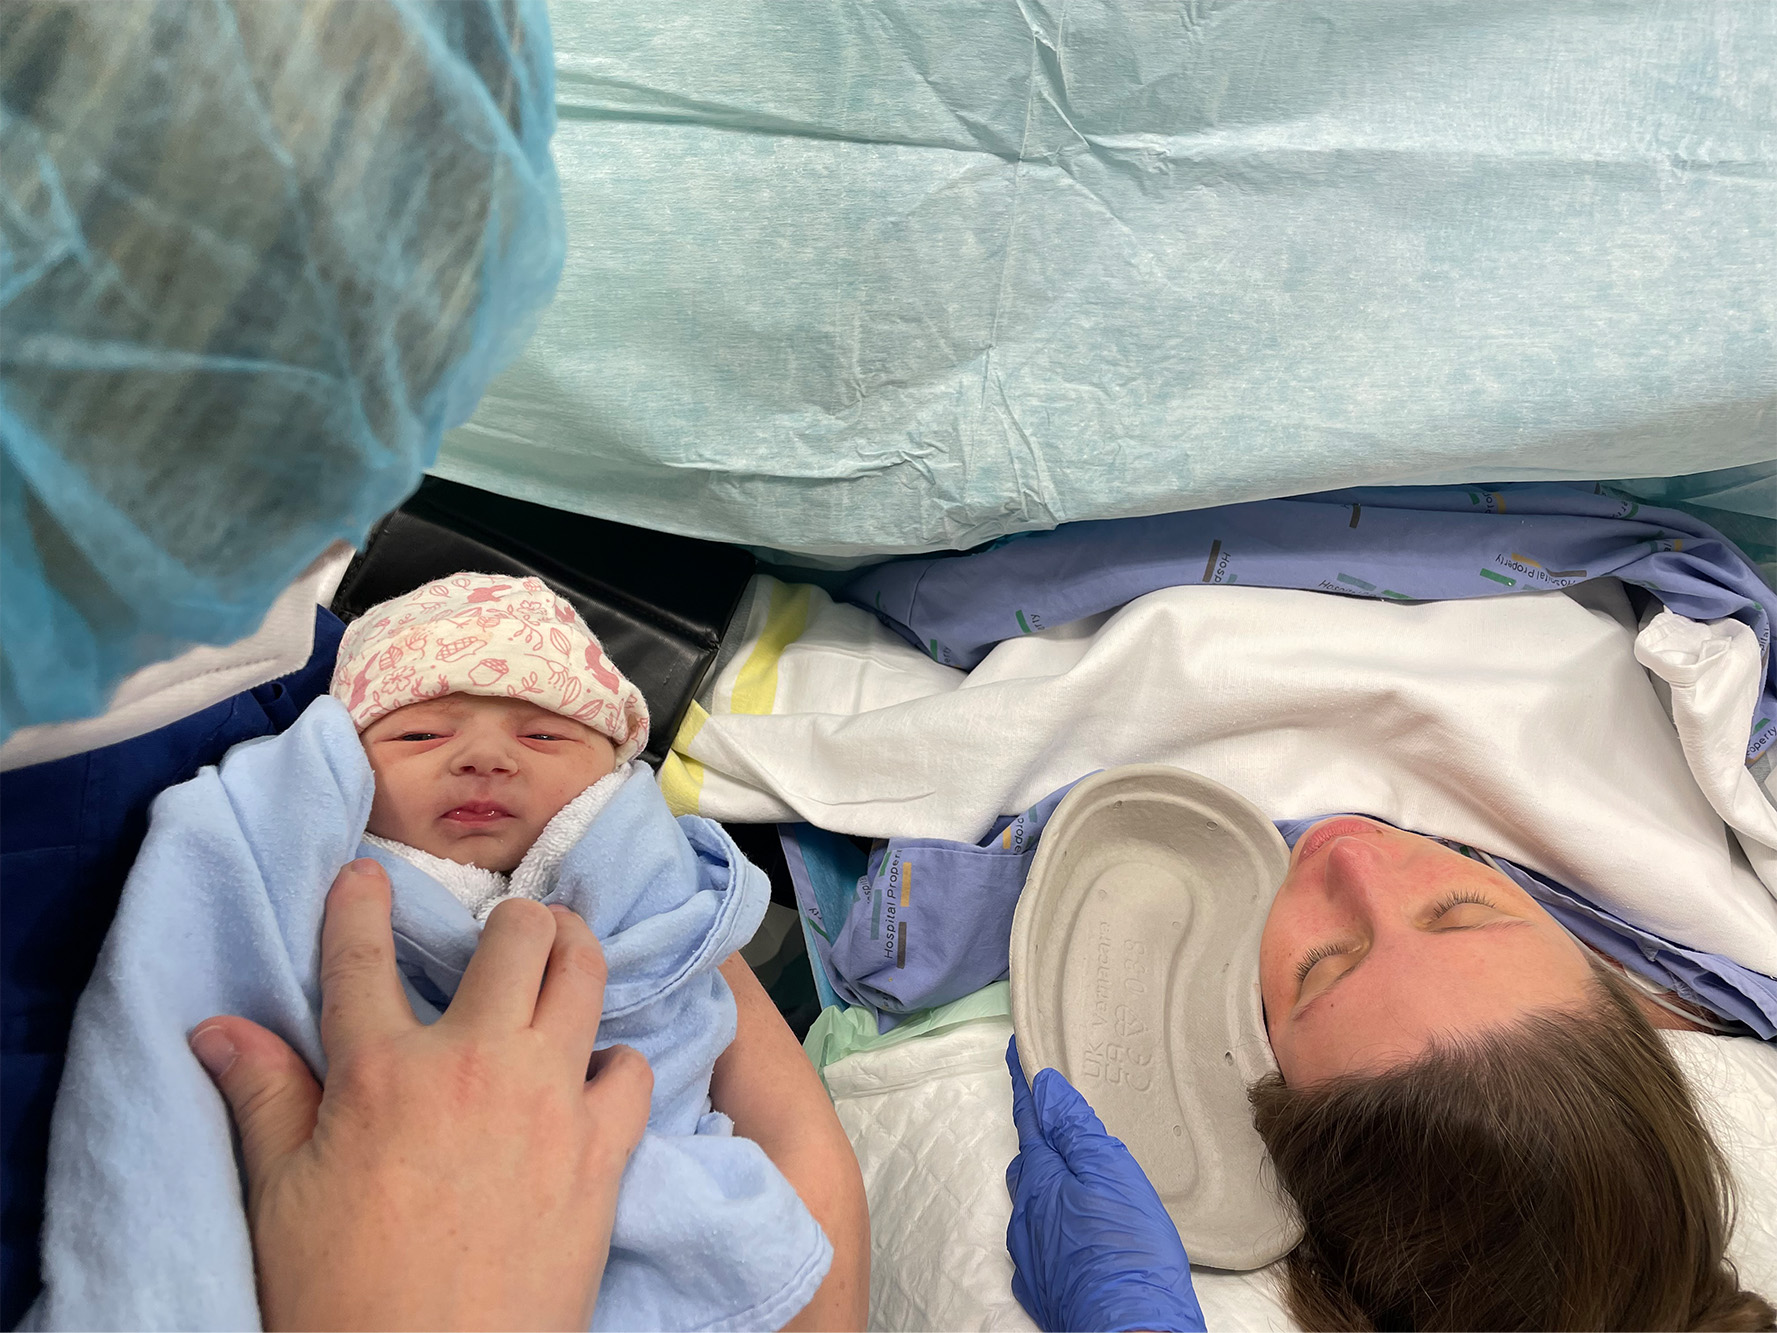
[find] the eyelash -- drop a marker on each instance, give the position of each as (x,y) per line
(433,735)
(1457,898)
(1315,955)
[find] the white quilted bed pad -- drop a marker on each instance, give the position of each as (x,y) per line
(931,1123)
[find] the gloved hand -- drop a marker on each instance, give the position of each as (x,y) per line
(1091,1243)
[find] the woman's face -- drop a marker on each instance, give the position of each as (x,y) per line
(1380,939)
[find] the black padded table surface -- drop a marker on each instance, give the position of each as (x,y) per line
(659,603)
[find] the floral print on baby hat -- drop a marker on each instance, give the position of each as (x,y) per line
(508,638)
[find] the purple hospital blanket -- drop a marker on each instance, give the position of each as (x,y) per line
(1409,543)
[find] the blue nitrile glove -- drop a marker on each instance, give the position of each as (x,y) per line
(1092,1246)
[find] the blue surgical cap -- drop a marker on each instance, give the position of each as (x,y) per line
(254,260)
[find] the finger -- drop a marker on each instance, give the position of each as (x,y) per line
(1014,1174)
(1071,1124)
(573,994)
(500,985)
(619,1089)
(361,995)
(1024,1113)
(270,1092)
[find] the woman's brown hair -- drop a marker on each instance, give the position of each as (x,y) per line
(1555,1174)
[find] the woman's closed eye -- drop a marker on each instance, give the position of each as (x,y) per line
(1462,909)
(1447,908)
(1312,957)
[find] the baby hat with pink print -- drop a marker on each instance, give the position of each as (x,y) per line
(491,634)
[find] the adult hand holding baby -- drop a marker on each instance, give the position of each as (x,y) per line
(459,1175)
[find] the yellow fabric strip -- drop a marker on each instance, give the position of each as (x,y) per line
(755,689)
(681,777)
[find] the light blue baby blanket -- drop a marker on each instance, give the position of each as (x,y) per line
(144,1226)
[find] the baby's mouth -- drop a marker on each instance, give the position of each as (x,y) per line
(478,813)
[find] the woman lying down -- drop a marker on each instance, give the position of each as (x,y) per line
(1547,1168)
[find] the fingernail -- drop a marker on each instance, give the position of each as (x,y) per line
(559,910)
(364,865)
(214,1051)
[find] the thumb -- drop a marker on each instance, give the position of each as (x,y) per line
(619,1092)
(270,1092)
(1070,1125)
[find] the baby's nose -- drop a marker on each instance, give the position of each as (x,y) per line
(484,759)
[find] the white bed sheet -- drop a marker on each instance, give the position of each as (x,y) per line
(1521,724)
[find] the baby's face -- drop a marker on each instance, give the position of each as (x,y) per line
(475,779)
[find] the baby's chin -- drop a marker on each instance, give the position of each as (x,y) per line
(503,860)
(485,851)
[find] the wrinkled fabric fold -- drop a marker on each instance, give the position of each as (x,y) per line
(857,281)
(1521,724)
(1396,544)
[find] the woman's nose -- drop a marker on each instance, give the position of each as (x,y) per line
(1357,875)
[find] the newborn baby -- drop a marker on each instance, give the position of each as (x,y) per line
(486,709)
(479,745)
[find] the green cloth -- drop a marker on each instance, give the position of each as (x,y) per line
(840,1032)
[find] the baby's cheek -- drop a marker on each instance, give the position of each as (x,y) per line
(381,823)
(385,805)
(599,760)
